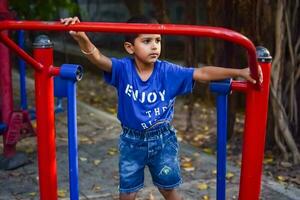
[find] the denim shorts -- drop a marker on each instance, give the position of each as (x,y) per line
(156,148)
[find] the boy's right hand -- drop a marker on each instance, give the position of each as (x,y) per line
(77,35)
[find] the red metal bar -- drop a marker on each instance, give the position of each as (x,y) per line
(45,125)
(254,138)
(241,86)
(54,71)
(10,44)
(169,29)
(6,97)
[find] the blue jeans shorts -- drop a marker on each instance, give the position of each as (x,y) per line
(156,148)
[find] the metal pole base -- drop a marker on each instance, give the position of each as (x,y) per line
(18,160)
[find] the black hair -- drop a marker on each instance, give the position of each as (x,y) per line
(138,19)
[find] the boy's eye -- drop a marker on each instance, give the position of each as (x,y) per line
(158,40)
(146,41)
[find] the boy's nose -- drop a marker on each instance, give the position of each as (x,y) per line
(154,46)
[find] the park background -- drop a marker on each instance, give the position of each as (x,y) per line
(272,24)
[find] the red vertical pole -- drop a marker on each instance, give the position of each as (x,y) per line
(6,97)
(255,131)
(43,53)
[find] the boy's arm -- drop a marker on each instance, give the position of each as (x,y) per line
(87,47)
(211,73)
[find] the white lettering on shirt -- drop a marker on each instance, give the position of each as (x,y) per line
(156,110)
(144,125)
(153,99)
(150,97)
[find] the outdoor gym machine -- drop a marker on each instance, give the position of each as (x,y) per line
(256,95)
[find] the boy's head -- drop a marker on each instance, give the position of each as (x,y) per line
(141,20)
(144,47)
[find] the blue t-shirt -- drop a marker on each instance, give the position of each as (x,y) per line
(141,104)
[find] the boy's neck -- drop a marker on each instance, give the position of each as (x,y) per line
(143,67)
(144,70)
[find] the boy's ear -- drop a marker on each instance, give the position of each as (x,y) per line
(129,47)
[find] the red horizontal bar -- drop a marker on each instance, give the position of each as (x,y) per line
(241,86)
(10,44)
(54,71)
(168,29)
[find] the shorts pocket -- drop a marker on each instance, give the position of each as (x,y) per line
(172,143)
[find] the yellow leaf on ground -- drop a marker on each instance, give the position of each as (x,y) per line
(202,186)
(208,150)
(61,193)
(96,188)
(281,178)
(112,151)
(32,194)
(97,162)
(205,197)
(83,138)
(187,166)
(82,159)
(268,160)
(214,172)
(229,175)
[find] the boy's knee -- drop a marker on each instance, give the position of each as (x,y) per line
(170,194)
(128,196)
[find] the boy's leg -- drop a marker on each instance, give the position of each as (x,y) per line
(171,194)
(128,196)
(165,168)
(132,159)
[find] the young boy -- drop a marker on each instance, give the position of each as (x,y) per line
(147,88)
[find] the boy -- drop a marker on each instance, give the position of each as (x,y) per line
(147,88)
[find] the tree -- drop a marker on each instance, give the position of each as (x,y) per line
(285,77)
(42,9)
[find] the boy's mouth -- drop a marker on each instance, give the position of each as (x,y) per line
(153,55)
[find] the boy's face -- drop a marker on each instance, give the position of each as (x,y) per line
(146,47)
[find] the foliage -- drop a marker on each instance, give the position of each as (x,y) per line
(42,9)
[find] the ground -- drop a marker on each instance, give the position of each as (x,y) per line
(203,134)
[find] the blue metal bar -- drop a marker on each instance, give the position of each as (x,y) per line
(72,138)
(222,89)
(22,71)
(221,145)
(69,74)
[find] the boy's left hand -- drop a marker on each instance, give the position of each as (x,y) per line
(246,75)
